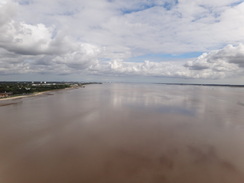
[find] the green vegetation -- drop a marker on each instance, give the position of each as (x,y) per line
(22,88)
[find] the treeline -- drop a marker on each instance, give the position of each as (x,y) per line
(27,88)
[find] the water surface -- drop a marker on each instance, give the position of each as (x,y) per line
(117,133)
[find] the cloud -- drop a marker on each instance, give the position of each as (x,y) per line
(146,68)
(80,59)
(223,63)
(37,48)
(219,63)
(65,37)
(27,39)
(73,61)
(230,54)
(224,59)
(7,12)
(143,26)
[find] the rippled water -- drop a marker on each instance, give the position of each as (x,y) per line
(124,133)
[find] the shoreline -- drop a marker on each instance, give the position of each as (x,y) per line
(32,94)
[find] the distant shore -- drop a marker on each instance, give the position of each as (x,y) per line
(193,84)
(32,94)
(52,87)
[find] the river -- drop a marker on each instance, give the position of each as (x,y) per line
(124,133)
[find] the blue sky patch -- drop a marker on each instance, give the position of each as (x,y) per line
(25,2)
(141,8)
(164,57)
(170,5)
(236,3)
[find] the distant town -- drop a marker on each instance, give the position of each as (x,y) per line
(8,89)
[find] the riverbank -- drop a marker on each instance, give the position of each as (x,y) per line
(46,92)
(33,94)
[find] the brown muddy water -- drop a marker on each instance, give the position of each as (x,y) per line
(124,133)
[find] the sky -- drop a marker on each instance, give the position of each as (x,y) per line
(189,41)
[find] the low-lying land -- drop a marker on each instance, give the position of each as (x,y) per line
(20,89)
(194,84)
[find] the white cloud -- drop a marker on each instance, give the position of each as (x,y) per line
(223,63)
(79,59)
(73,61)
(64,37)
(27,39)
(143,26)
(7,12)
(147,68)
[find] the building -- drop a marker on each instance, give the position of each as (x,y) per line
(5,94)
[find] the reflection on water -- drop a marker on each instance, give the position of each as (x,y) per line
(125,133)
